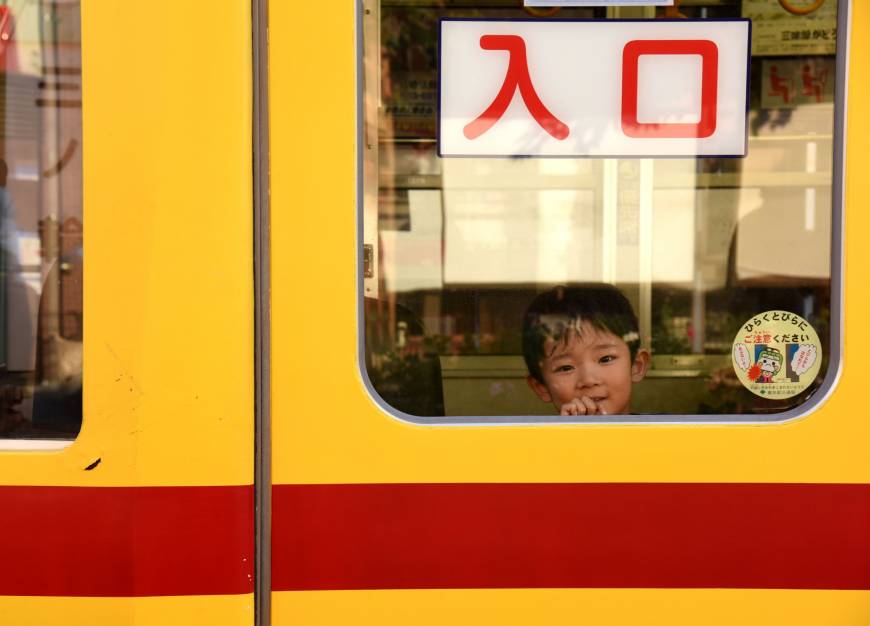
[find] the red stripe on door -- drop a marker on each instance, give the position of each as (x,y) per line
(401,536)
(137,541)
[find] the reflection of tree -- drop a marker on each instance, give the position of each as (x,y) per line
(407,41)
(770,118)
(400,364)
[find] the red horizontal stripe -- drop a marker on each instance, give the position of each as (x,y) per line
(792,536)
(142,541)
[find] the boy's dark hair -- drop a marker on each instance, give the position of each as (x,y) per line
(554,313)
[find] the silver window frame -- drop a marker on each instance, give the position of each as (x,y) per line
(835,363)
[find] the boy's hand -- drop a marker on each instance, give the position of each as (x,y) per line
(583,405)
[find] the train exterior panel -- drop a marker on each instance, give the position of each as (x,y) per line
(376,519)
(233,466)
(147,517)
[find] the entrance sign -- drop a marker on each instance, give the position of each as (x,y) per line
(593,88)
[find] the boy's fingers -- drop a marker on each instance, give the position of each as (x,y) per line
(589,405)
(574,407)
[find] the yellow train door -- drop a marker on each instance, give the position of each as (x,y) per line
(127,314)
(416,476)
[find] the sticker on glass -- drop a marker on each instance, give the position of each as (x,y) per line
(777,354)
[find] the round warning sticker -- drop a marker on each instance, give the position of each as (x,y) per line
(777,354)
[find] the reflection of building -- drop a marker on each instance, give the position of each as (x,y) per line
(41,144)
(70,266)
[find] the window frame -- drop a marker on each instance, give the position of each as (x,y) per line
(835,351)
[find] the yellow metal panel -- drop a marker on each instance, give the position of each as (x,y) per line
(168,288)
(570,607)
(327,430)
(162,611)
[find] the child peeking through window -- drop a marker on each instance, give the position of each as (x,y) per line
(582,348)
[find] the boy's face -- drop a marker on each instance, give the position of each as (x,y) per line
(589,374)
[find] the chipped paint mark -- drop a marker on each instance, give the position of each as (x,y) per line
(122,374)
(93,465)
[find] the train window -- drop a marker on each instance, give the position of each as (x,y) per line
(41,200)
(602,289)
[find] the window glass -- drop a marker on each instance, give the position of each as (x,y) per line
(41,199)
(456,250)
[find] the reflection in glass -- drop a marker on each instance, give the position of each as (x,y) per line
(463,245)
(41,202)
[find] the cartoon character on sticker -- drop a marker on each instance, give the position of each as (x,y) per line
(776,354)
(767,366)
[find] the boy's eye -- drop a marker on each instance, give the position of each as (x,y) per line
(607,358)
(564,368)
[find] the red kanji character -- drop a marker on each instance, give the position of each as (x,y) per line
(517,77)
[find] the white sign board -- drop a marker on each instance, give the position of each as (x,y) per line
(593,88)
